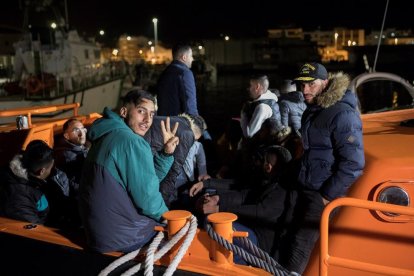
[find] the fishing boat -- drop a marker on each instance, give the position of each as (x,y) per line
(54,65)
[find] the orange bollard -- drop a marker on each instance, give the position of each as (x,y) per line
(176,219)
(223,225)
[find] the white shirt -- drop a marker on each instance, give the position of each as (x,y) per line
(261,113)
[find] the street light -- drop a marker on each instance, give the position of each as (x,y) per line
(155,21)
(53,25)
(336,40)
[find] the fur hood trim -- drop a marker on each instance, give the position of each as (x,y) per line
(337,86)
(189,119)
(16,166)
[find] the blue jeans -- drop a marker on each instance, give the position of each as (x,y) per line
(303,232)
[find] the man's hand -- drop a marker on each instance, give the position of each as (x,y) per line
(203,177)
(196,188)
(170,140)
(208,204)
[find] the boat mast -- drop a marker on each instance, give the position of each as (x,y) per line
(66,16)
(380,36)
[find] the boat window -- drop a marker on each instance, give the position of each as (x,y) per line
(377,96)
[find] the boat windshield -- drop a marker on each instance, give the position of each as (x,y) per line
(379,92)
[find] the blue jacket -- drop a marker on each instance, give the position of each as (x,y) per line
(176,91)
(119,197)
(332,137)
(186,136)
(292,105)
(69,158)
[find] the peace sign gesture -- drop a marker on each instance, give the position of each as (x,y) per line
(170,140)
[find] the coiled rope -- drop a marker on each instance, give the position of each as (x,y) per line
(190,228)
(256,256)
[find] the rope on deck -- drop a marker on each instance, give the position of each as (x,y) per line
(256,256)
(190,228)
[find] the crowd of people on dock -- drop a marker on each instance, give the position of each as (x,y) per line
(291,154)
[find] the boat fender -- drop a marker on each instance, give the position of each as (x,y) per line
(33,85)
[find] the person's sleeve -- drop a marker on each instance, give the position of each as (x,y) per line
(231,201)
(221,185)
(162,164)
(349,150)
(60,179)
(284,113)
(260,114)
(142,182)
(190,93)
(243,123)
(268,208)
(201,160)
(25,209)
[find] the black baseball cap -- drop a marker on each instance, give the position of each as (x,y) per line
(312,71)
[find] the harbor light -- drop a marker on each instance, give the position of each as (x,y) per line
(155,21)
(336,40)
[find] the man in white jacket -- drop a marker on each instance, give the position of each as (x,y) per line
(262,108)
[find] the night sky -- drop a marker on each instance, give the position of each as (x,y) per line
(191,20)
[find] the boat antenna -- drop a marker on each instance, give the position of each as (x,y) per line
(380,36)
(66,16)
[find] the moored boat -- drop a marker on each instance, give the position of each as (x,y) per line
(59,67)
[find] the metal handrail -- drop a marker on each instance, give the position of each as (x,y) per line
(325,260)
(29,111)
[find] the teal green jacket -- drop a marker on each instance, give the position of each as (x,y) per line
(120,201)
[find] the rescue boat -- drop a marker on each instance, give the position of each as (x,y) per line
(371,234)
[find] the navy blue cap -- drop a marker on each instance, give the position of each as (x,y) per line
(312,71)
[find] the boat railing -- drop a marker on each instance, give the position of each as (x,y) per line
(326,260)
(47,86)
(14,138)
(186,247)
(36,110)
(51,89)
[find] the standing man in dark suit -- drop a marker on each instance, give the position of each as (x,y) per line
(176,89)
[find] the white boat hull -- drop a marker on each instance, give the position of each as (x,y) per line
(92,99)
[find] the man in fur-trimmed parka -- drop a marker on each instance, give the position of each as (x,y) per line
(333,156)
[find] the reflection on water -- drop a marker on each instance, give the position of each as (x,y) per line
(220,103)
